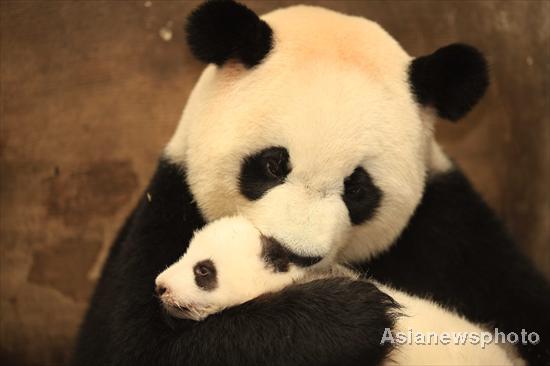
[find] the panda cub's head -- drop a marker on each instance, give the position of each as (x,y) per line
(227,263)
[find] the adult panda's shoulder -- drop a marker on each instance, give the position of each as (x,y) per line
(455,247)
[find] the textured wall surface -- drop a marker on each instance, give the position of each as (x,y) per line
(91,91)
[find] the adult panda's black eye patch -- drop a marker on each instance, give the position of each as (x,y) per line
(262,171)
(361,196)
(206,275)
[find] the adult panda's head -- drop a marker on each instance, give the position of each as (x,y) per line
(315,125)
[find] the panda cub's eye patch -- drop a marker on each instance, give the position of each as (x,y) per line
(361,196)
(205,275)
(262,171)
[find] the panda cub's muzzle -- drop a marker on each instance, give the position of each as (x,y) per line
(169,304)
(179,310)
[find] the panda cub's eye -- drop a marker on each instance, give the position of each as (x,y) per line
(202,270)
(205,275)
(361,196)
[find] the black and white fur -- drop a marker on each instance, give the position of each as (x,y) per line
(240,264)
(324,140)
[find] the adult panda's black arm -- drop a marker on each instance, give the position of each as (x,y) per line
(328,322)
(456,251)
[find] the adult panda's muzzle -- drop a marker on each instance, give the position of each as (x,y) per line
(308,223)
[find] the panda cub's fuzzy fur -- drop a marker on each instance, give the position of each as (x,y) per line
(229,262)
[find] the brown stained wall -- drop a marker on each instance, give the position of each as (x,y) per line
(91,92)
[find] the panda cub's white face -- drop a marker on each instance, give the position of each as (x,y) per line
(227,263)
(321,146)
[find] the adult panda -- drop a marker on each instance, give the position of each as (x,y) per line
(318,127)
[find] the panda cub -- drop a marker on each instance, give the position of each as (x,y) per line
(230,262)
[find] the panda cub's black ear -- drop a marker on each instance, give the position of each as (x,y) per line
(452,80)
(220,30)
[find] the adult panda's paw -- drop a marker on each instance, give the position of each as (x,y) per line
(334,321)
(452,80)
(220,30)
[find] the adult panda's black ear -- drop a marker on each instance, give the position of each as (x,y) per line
(220,30)
(452,80)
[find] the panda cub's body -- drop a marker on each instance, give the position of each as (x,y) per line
(229,262)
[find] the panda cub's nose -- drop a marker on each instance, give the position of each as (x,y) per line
(160,290)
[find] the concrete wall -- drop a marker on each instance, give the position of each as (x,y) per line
(91,91)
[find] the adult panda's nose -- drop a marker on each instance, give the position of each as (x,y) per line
(279,256)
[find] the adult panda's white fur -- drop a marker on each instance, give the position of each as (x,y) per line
(240,271)
(334,108)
